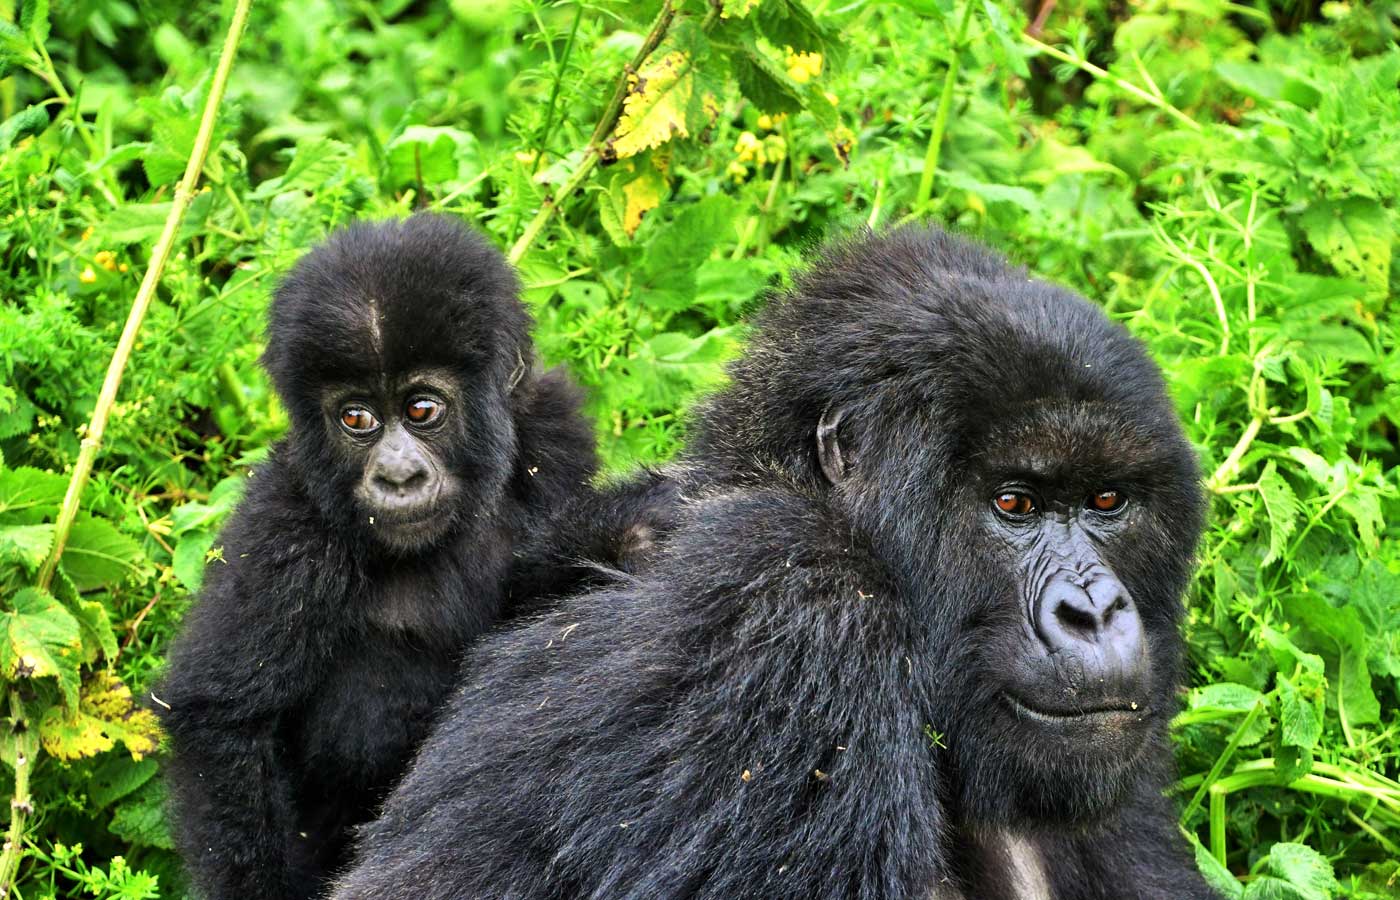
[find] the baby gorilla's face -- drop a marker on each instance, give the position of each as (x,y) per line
(396,433)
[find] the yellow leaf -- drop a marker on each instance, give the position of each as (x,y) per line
(643,195)
(654,111)
(105,715)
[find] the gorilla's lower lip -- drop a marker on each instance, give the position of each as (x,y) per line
(407,519)
(1125,709)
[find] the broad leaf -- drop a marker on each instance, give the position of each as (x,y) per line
(41,639)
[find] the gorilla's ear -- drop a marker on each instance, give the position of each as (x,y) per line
(829,445)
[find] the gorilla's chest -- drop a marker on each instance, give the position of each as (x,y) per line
(998,865)
(373,707)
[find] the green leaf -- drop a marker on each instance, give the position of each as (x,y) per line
(1339,630)
(1297,718)
(34,20)
(173,133)
(314,162)
(98,555)
(173,48)
(139,223)
(189,559)
(1011,53)
(25,488)
(1215,874)
(787,23)
(15,49)
(16,413)
(765,84)
(1355,237)
(41,640)
(1304,869)
(1267,887)
(1224,695)
(207,516)
(1282,507)
(434,155)
(117,777)
(30,120)
(99,641)
(141,820)
(995,193)
(27,545)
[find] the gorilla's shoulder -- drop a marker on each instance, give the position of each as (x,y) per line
(755,543)
(276,546)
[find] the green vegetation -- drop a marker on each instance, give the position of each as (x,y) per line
(1222,176)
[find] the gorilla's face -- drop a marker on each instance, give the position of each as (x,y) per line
(394,436)
(416,454)
(1044,545)
(1064,614)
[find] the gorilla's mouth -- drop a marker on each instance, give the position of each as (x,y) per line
(1105,712)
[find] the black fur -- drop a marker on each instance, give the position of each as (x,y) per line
(801,697)
(616,528)
(317,654)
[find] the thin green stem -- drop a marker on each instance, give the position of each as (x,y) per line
(1103,74)
(1217,823)
(542,137)
(1228,468)
(945,105)
(184,193)
(1222,760)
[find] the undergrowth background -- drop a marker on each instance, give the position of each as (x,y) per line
(1221,176)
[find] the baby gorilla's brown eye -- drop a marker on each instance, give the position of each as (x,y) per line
(423,410)
(358,420)
(1013,503)
(1107,501)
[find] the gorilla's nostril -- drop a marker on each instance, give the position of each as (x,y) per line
(1076,620)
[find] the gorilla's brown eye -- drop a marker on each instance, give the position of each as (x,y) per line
(1107,501)
(1013,503)
(423,410)
(358,420)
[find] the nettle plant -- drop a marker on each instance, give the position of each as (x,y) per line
(1223,176)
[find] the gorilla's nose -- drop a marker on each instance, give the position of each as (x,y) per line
(400,475)
(1094,618)
(399,483)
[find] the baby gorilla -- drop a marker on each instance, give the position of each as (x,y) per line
(371,548)
(914,633)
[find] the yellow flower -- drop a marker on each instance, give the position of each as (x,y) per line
(803,67)
(106,259)
(749,148)
(737,171)
(88,276)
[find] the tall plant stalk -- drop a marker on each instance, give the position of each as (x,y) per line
(184,192)
(945,106)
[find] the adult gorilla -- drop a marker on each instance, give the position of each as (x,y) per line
(915,634)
